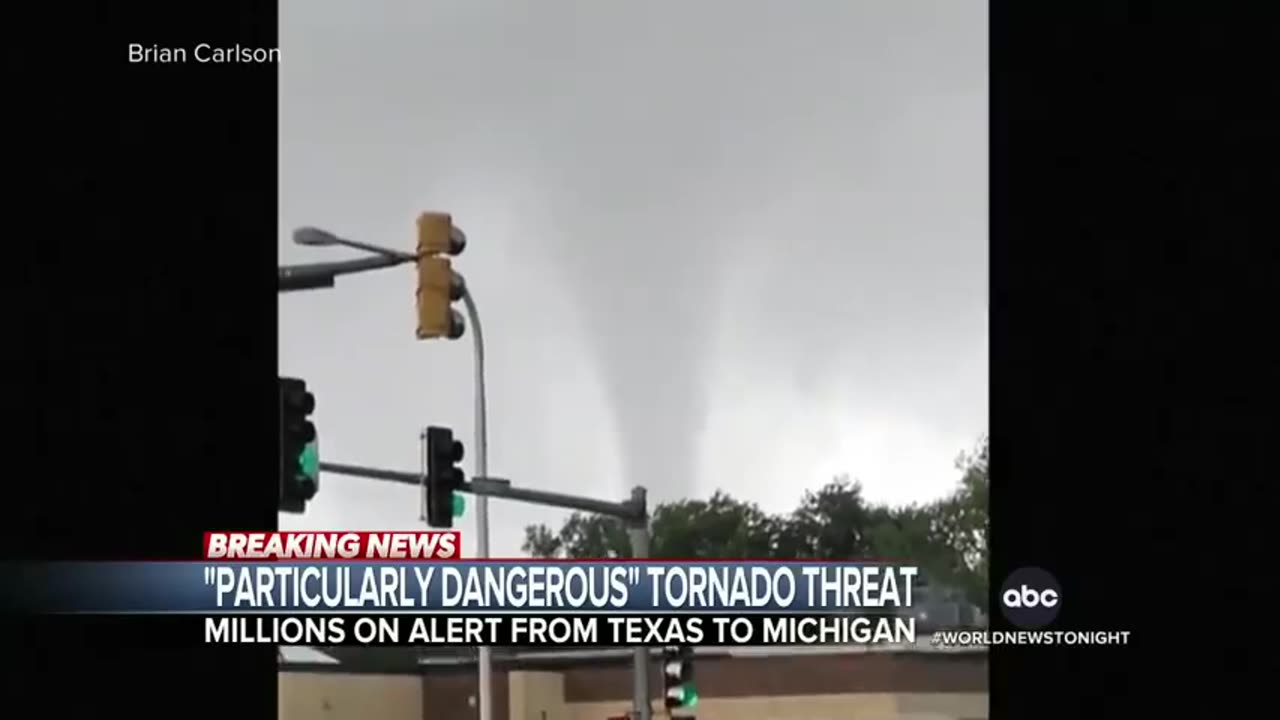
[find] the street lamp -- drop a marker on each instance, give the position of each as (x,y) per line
(315,276)
(315,237)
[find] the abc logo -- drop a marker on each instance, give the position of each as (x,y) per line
(1030,598)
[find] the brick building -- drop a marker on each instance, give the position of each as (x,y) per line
(915,682)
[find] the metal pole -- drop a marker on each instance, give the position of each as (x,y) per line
(642,708)
(423,460)
(485,660)
(292,278)
(500,488)
(634,511)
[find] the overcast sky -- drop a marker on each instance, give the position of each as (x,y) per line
(728,244)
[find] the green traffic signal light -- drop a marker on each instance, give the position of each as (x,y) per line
(688,696)
(459,505)
(309,460)
(299,459)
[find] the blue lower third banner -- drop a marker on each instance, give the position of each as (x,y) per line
(617,587)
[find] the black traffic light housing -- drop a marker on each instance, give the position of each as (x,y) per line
(299,461)
(444,477)
(677,677)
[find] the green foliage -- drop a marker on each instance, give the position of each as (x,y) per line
(962,526)
(947,538)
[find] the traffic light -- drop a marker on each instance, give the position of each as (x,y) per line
(299,449)
(444,477)
(438,285)
(677,677)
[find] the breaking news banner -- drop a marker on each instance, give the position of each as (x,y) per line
(412,588)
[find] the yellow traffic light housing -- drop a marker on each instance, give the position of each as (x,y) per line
(438,236)
(438,285)
(438,288)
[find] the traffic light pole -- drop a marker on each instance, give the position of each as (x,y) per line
(484,661)
(295,278)
(634,511)
(638,531)
(502,489)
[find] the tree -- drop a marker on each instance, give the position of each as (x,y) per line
(833,523)
(947,539)
(962,524)
(718,528)
(582,536)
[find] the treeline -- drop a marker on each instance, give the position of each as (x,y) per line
(946,538)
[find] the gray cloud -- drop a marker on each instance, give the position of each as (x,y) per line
(716,244)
